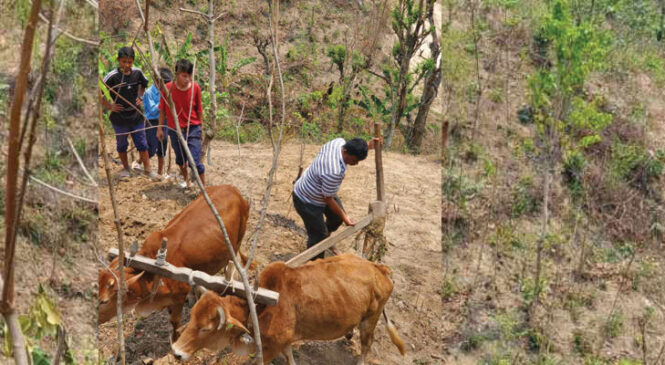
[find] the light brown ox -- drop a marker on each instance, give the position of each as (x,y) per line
(322,300)
(195,240)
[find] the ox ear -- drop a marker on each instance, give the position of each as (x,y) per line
(222,317)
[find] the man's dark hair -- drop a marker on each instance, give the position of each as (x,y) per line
(356,147)
(184,66)
(166,74)
(126,52)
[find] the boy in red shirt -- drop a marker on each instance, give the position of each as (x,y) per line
(190,118)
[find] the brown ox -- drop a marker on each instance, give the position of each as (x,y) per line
(322,300)
(195,240)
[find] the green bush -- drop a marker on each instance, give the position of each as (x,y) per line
(614,325)
(573,168)
(526,199)
(247,133)
(636,165)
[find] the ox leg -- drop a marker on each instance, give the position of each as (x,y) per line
(271,350)
(367,336)
(288,354)
(175,311)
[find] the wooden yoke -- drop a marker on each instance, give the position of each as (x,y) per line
(190,276)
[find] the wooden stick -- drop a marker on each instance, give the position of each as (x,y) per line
(205,16)
(118,227)
(78,158)
(378,160)
(7,305)
(306,255)
(184,274)
(71,36)
(91,201)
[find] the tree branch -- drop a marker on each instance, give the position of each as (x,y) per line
(60,191)
(195,12)
(85,170)
(71,36)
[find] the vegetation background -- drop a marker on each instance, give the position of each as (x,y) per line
(552,181)
(54,267)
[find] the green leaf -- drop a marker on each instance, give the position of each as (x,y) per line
(184,49)
(7,341)
(590,140)
(242,63)
(39,357)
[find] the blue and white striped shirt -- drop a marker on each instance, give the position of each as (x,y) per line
(324,176)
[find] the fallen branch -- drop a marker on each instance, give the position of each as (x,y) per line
(71,36)
(85,170)
(60,191)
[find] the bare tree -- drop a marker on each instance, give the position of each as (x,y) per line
(431,89)
(210,18)
(409,26)
(11,207)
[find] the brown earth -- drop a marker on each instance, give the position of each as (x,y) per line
(412,230)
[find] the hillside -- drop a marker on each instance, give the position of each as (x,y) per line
(594,129)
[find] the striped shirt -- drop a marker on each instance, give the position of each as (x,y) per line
(324,176)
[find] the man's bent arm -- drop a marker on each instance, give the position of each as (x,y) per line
(330,201)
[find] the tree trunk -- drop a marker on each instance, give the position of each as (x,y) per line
(7,305)
(431,89)
(212,129)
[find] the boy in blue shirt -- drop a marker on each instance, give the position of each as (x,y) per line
(129,82)
(151,105)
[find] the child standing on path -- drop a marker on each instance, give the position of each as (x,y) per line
(151,105)
(186,96)
(128,82)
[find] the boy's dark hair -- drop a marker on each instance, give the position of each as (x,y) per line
(166,74)
(184,66)
(356,147)
(126,52)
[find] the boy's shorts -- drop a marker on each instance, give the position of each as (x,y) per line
(155,146)
(137,132)
(194,144)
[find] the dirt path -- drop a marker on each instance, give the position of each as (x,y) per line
(412,229)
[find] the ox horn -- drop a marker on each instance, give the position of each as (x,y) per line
(222,317)
(200,290)
(134,279)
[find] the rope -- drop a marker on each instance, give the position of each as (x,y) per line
(190,278)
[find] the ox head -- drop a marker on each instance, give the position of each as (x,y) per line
(212,326)
(108,292)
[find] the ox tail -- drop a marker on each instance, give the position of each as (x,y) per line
(394,337)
